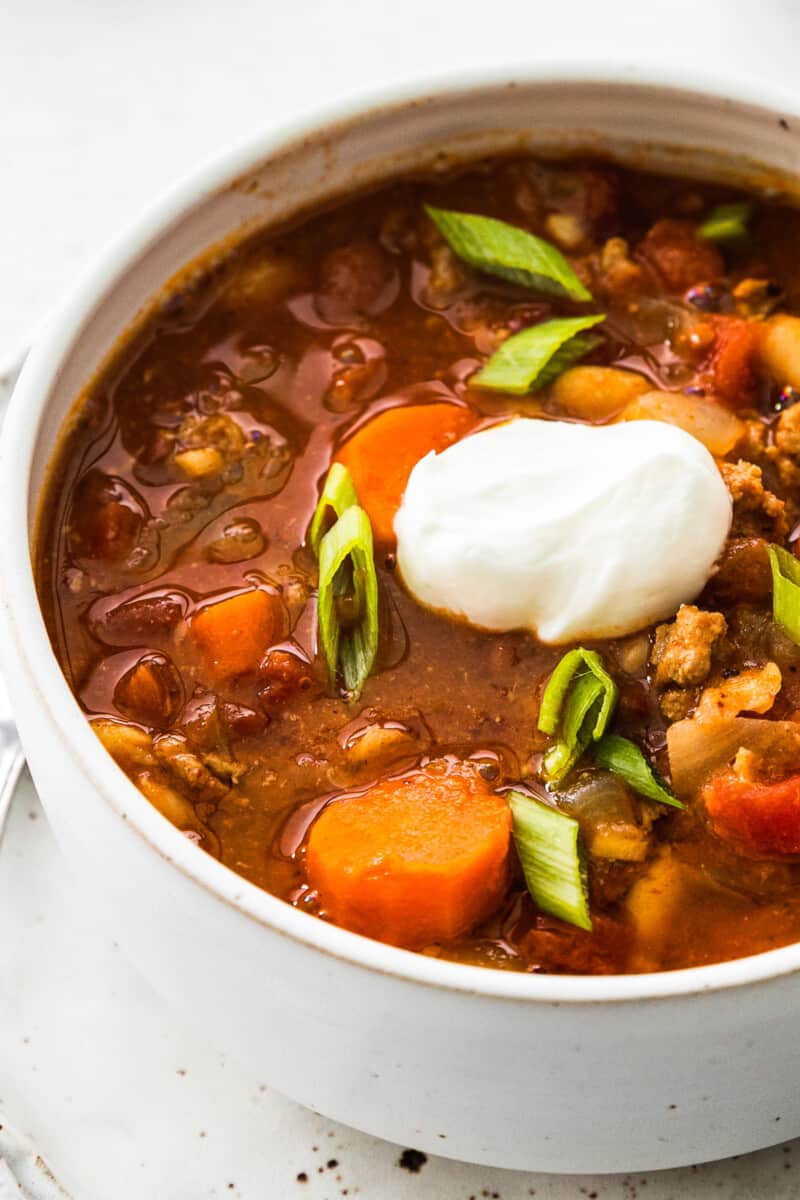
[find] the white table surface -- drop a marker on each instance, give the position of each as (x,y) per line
(102,105)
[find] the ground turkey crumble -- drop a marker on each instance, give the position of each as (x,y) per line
(785,452)
(682,655)
(756,511)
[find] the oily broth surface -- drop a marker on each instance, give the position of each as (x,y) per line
(252,340)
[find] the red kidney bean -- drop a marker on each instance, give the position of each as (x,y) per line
(356,279)
(138,620)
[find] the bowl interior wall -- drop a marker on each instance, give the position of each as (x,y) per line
(659,129)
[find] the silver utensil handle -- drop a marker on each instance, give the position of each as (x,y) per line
(24,1175)
(12,761)
(23,1172)
(11,756)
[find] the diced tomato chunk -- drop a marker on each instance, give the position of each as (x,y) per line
(733,360)
(762,818)
(679,256)
(561,948)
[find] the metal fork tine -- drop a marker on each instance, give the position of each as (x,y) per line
(11,756)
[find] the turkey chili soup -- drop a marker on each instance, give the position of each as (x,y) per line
(431,563)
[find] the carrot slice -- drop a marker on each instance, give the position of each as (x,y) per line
(762,818)
(413,860)
(232,635)
(382,454)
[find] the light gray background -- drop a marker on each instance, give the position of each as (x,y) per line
(103,104)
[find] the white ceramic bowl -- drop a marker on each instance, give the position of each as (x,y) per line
(551,1073)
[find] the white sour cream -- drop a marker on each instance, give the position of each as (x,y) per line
(571,531)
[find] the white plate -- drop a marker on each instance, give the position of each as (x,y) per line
(125,1102)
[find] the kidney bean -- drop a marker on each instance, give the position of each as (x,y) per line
(201,720)
(356,279)
(139,620)
(151,692)
(242,721)
(743,574)
(108,518)
(208,721)
(283,674)
(679,256)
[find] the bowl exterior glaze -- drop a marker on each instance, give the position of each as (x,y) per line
(544,1073)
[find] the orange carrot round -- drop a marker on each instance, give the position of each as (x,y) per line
(232,635)
(414,860)
(382,454)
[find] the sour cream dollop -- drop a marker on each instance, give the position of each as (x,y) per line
(571,531)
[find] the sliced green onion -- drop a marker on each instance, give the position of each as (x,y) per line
(509,252)
(785,591)
(558,686)
(726,223)
(338,494)
(580,714)
(624,758)
(571,352)
(354,651)
(535,356)
(549,849)
(577,704)
(555,693)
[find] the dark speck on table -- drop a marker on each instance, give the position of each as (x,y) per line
(412,1160)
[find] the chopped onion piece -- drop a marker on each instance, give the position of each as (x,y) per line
(608,815)
(711,423)
(700,748)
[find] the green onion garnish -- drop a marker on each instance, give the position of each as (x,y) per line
(726,223)
(624,758)
(349,541)
(505,250)
(577,704)
(785,591)
(534,357)
(581,711)
(558,685)
(338,494)
(548,845)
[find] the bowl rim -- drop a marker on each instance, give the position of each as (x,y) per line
(27,646)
